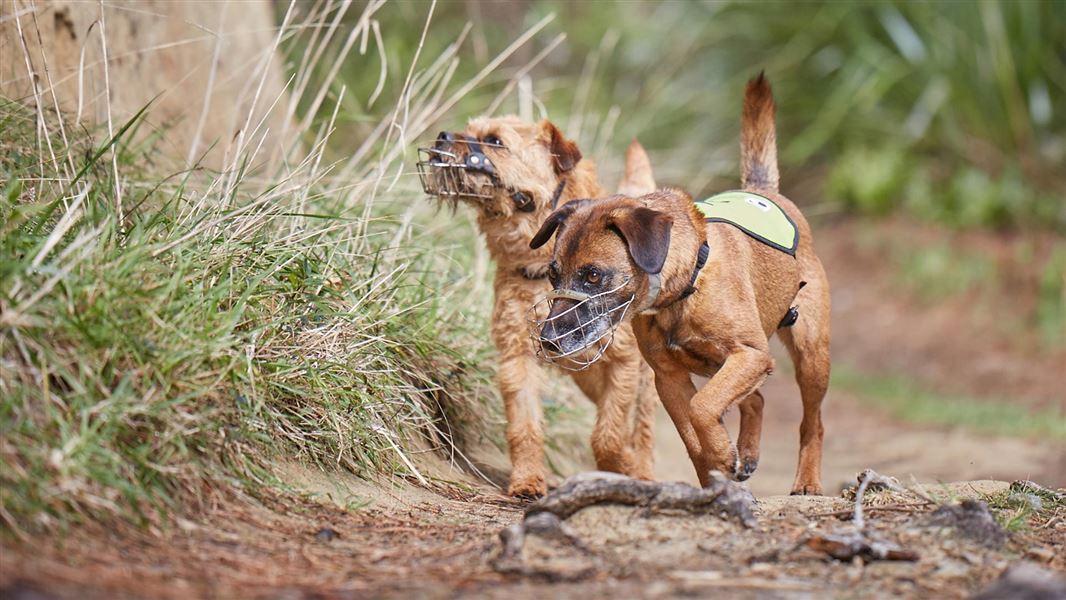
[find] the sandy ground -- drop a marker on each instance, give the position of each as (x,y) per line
(345,538)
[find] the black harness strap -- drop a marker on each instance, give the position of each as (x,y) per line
(792,314)
(701,260)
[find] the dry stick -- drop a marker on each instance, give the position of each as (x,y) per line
(521,74)
(868,477)
(889,508)
(110,126)
(55,100)
(404,102)
(265,72)
(34,85)
(194,146)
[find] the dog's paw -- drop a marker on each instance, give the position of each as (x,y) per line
(527,489)
(807,489)
(747,468)
(728,465)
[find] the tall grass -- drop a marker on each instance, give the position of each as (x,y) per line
(166,334)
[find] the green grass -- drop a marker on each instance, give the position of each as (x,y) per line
(905,400)
(1016,513)
(149,360)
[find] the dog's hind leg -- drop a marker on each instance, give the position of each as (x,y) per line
(612,386)
(750,434)
(808,344)
(644,423)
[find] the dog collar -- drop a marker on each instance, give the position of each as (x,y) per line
(655,282)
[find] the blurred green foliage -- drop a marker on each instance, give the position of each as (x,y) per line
(951,111)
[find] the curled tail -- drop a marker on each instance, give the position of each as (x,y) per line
(758,142)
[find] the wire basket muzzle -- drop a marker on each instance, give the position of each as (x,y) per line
(591,322)
(441,175)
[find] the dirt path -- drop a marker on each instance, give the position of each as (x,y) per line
(859,437)
(411,542)
(345,538)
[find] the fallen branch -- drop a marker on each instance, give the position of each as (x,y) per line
(728,498)
(545,518)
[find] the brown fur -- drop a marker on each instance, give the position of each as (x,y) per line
(536,157)
(722,330)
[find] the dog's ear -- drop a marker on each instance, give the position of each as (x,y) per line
(554,220)
(565,153)
(646,233)
(638,179)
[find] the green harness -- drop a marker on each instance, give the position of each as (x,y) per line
(755,215)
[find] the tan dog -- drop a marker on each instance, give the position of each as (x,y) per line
(514,173)
(714,321)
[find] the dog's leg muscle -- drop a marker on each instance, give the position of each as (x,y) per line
(676,390)
(743,371)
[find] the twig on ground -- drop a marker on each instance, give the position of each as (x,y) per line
(854,543)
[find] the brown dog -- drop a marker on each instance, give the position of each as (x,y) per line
(705,310)
(514,173)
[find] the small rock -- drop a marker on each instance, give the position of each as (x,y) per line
(1040,554)
(970,518)
(326,535)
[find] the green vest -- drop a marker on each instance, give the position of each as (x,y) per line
(755,215)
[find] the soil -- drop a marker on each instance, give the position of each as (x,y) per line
(347,538)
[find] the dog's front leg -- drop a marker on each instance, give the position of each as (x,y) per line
(676,391)
(744,370)
(520,378)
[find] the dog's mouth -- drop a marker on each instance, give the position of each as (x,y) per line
(577,336)
(451,174)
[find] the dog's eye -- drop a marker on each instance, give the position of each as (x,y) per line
(492,140)
(553,273)
(593,277)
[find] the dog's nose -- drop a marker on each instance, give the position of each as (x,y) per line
(444,137)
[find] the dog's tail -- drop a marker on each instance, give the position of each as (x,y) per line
(638,179)
(758,142)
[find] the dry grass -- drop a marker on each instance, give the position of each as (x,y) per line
(164,334)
